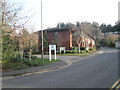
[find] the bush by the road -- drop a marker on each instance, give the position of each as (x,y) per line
(36,52)
(22,63)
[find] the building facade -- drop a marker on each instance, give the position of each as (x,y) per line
(62,38)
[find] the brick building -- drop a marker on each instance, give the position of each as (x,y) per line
(62,38)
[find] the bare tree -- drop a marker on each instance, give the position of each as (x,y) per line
(77,33)
(92,31)
(32,40)
(79,37)
(23,40)
(11,16)
(10,13)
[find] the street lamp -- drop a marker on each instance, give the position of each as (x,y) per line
(42,36)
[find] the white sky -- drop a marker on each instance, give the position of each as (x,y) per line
(55,11)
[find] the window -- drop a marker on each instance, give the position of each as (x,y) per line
(56,33)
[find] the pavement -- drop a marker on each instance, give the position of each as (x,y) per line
(65,61)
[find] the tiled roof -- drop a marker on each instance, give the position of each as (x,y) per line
(55,29)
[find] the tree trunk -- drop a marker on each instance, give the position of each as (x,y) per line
(22,54)
(30,55)
(30,51)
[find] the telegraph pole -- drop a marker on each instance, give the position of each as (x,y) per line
(42,35)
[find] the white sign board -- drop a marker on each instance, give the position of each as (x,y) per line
(52,47)
(117,44)
(62,49)
(87,48)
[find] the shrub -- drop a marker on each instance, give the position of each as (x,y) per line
(32,62)
(33,57)
(46,53)
(74,50)
(82,48)
(16,58)
(77,48)
(86,51)
(97,47)
(36,52)
(8,66)
(91,49)
(111,44)
(68,51)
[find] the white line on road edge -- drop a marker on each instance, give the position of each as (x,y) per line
(116,84)
(100,52)
(118,87)
(68,64)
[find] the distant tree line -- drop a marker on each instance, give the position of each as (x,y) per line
(111,34)
(96,32)
(109,28)
(103,27)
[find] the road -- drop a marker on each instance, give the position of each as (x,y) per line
(99,71)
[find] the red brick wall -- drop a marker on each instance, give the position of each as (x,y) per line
(65,39)
(63,36)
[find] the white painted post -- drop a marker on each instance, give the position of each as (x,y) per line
(52,47)
(60,49)
(50,52)
(55,54)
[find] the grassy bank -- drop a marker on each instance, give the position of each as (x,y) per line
(24,63)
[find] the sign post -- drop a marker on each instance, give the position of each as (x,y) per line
(49,52)
(55,53)
(52,47)
(62,48)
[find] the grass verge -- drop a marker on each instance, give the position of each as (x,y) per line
(83,53)
(74,54)
(25,63)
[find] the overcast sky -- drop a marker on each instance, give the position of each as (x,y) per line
(55,11)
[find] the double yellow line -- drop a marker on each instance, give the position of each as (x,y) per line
(116,85)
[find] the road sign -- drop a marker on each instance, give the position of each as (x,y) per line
(62,49)
(52,47)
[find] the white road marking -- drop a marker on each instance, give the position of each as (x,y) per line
(115,84)
(100,52)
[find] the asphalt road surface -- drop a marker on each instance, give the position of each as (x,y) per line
(99,71)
